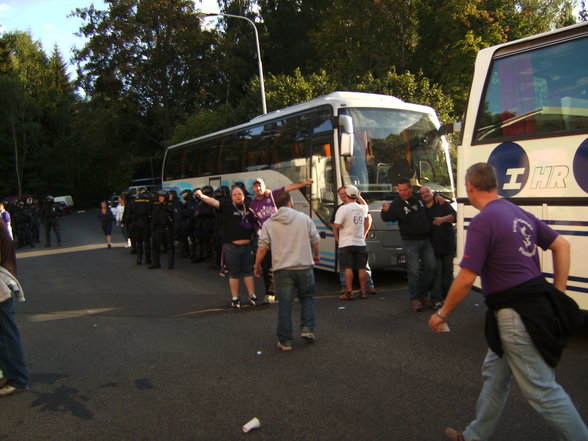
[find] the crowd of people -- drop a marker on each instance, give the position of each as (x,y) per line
(220,227)
(25,218)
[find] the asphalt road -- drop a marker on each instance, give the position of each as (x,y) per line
(119,352)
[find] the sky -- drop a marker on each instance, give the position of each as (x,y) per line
(48,22)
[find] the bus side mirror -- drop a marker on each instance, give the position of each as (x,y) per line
(446,129)
(346,130)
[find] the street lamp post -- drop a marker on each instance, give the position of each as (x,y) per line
(261,83)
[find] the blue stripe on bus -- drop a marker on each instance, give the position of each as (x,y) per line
(326,259)
(572,279)
(572,233)
(328,254)
(570,223)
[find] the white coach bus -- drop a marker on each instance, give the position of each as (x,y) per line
(338,139)
(527,115)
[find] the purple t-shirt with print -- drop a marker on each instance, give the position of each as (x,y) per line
(264,208)
(502,246)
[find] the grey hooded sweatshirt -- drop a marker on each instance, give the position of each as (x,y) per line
(289,235)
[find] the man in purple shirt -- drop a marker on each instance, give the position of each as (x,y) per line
(263,206)
(502,247)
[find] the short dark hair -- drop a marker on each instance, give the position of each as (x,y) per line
(404,181)
(282,199)
(482,176)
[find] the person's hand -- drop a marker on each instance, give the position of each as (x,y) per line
(438,221)
(257,271)
(385,207)
(440,200)
(198,194)
(267,192)
(316,258)
(435,321)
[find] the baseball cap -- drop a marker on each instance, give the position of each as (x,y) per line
(261,181)
(352,191)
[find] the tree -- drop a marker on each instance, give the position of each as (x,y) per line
(288,26)
(22,92)
(350,44)
(152,52)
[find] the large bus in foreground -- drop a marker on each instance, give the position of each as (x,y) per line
(527,115)
(338,139)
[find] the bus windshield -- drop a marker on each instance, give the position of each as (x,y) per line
(391,144)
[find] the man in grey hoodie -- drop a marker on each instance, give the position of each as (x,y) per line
(294,243)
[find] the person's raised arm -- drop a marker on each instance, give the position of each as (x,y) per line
(298,186)
(207,199)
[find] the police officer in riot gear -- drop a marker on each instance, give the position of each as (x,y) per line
(33,206)
(22,223)
(50,214)
(189,217)
(180,223)
(162,230)
(205,229)
(139,220)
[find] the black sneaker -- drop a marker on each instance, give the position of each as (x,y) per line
(236,303)
(253,300)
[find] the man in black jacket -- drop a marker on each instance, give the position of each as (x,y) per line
(415,228)
(526,318)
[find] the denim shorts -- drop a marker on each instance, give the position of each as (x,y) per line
(239,259)
(354,257)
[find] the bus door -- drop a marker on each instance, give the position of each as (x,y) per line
(323,198)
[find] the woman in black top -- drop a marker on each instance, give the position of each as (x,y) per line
(106,220)
(237,233)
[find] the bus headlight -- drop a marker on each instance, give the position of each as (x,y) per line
(371,235)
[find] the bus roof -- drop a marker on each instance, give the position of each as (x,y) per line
(335,99)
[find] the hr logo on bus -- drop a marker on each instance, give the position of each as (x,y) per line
(512,168)
(581,165)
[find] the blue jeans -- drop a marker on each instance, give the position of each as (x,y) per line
(12,361)
(442,278)
(369,283)
(291,284)
(536,380)
(417,251)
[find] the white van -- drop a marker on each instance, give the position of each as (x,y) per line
(66,201)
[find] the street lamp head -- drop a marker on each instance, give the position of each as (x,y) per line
(202,15)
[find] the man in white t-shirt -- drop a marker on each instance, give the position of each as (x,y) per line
(350,229)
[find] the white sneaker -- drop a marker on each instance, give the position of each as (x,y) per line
(269,299)
(284,346)
(9,390)
(308,336)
